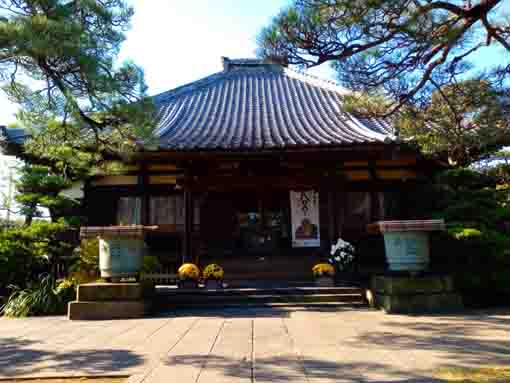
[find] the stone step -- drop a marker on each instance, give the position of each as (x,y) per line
(270,283)
(168,298)
(267,298)
(291,305)
(268,275)
(294,290)
(266,289)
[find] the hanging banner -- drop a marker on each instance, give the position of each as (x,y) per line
(304,207)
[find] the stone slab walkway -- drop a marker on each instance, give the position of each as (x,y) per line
(256,345)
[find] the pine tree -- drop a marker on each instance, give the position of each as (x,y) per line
(58,62)
(7,189)
(401,49)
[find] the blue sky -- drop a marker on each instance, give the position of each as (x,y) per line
(179,41)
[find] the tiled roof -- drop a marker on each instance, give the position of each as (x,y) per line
(11,138)
(252,105)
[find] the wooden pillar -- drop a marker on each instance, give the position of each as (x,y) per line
(187,248)
(332,217)
(85,203)
(341,203)
(374,195)
(143,185)
(329,187)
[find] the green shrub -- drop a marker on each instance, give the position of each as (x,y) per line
(42,298)
(151,264)
(461,179)
(482,282)
(465,233)
(28,251)
(66,290)
(475,209)
(479,260)
(85,267)
(470,281)
(500,280)
(467,198)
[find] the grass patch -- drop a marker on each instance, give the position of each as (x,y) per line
(475,375)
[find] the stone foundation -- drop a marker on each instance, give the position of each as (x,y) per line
(103,301)
(419,294)
(324,282)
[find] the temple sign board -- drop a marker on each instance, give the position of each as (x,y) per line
(305,218)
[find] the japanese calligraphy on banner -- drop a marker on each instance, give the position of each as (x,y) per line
(304,207)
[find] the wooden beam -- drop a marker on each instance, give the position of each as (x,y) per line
(115,180)
(409,161)
(161,167)
(162,180)
(409,171)
(396,174)
(357,175)
(226,183)
(350,153)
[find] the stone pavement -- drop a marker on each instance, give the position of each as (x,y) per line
(256,345)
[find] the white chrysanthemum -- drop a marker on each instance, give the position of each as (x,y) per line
(339,245)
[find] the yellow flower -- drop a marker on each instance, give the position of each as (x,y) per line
(213,271)
(188,271)
(64,284)
(323,269)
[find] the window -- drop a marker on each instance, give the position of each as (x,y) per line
(164,210)
(167,210)
(129,211)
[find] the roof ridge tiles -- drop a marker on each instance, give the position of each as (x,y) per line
(168,95)
(317,81)
(162,97)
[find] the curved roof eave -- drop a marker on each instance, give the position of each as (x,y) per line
(252,105)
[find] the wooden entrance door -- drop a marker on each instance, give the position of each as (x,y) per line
(262,222)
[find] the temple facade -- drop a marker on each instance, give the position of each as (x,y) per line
(260,169)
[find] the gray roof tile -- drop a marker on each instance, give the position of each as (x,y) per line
(13,135)
(251,105)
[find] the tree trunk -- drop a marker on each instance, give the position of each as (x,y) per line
(30,216)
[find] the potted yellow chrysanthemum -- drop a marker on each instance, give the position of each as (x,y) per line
(188,276)
(213,276)
(324,274)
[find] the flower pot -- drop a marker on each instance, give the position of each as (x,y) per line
(121,249)
(188,284)
(406,243)
(213,284)
(325,281)
(120,257)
